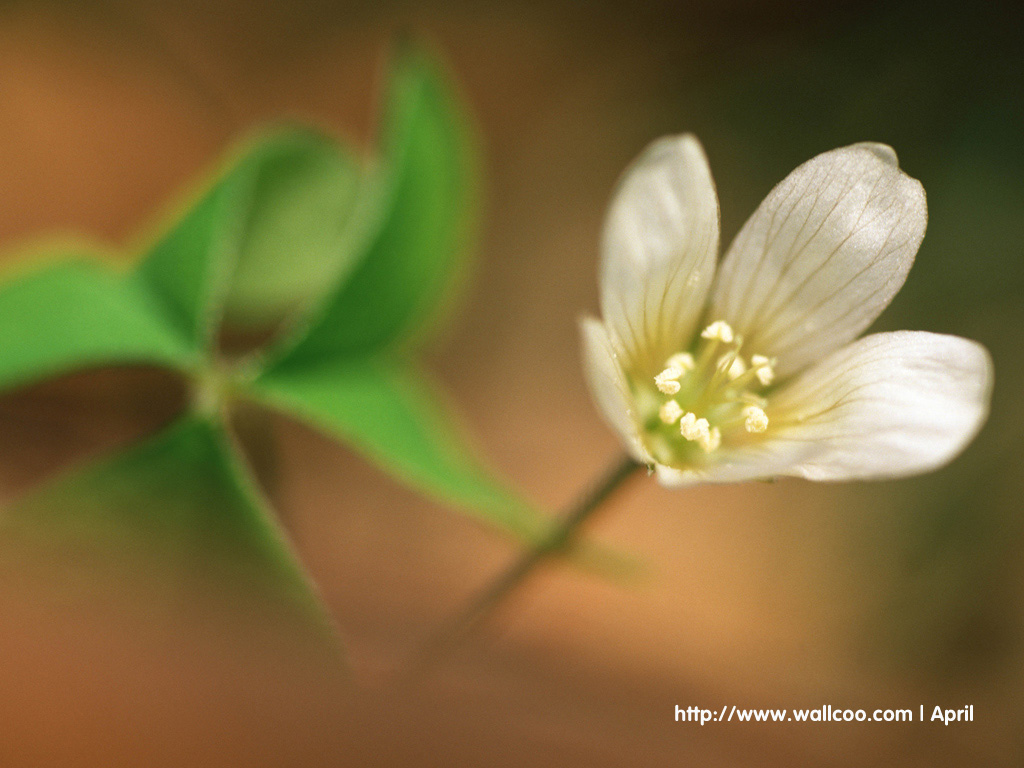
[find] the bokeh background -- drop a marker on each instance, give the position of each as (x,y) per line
(792,594)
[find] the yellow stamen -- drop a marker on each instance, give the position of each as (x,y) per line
(711,441)
(693,428)
(668,380)
(713,379)
(670,412)
(736,368)
(763,366)
(682,360)
(719,330)
(755,419)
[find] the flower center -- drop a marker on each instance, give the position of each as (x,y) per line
(706,396)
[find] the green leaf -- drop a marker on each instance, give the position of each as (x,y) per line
(388,412)
(414,230)
(176,514)
(295,245)
(189,267)
(264,237)
(78,314)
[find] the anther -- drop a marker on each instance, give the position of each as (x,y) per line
(755,419)
(711,440)
(670,412)
(763,368)
(736,368)
(693,428)
(719,330)
(682,360)
(667,381)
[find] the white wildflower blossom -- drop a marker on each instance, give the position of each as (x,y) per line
(816,263)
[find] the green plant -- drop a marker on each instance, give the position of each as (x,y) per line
(358,262)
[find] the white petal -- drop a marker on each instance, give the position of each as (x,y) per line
(822,256)
(762,461)
(888,405)
(659,247)
(609,388)
(675,478)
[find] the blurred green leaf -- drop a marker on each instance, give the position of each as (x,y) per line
(413,230)
(262,239)
(78,314)
(388,412)
(295,243)
(408,235)
(178,512)
(189,267)
(287,227)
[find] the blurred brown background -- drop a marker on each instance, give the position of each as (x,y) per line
(786,595)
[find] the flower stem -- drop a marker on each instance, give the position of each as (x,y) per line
(555,542)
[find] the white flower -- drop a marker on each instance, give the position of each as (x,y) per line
(754,372)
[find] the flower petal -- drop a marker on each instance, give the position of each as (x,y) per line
(761,461)
(659,247)
(609,388)
(889,405)
(822,256)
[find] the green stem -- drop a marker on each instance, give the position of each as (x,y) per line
(557,541)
